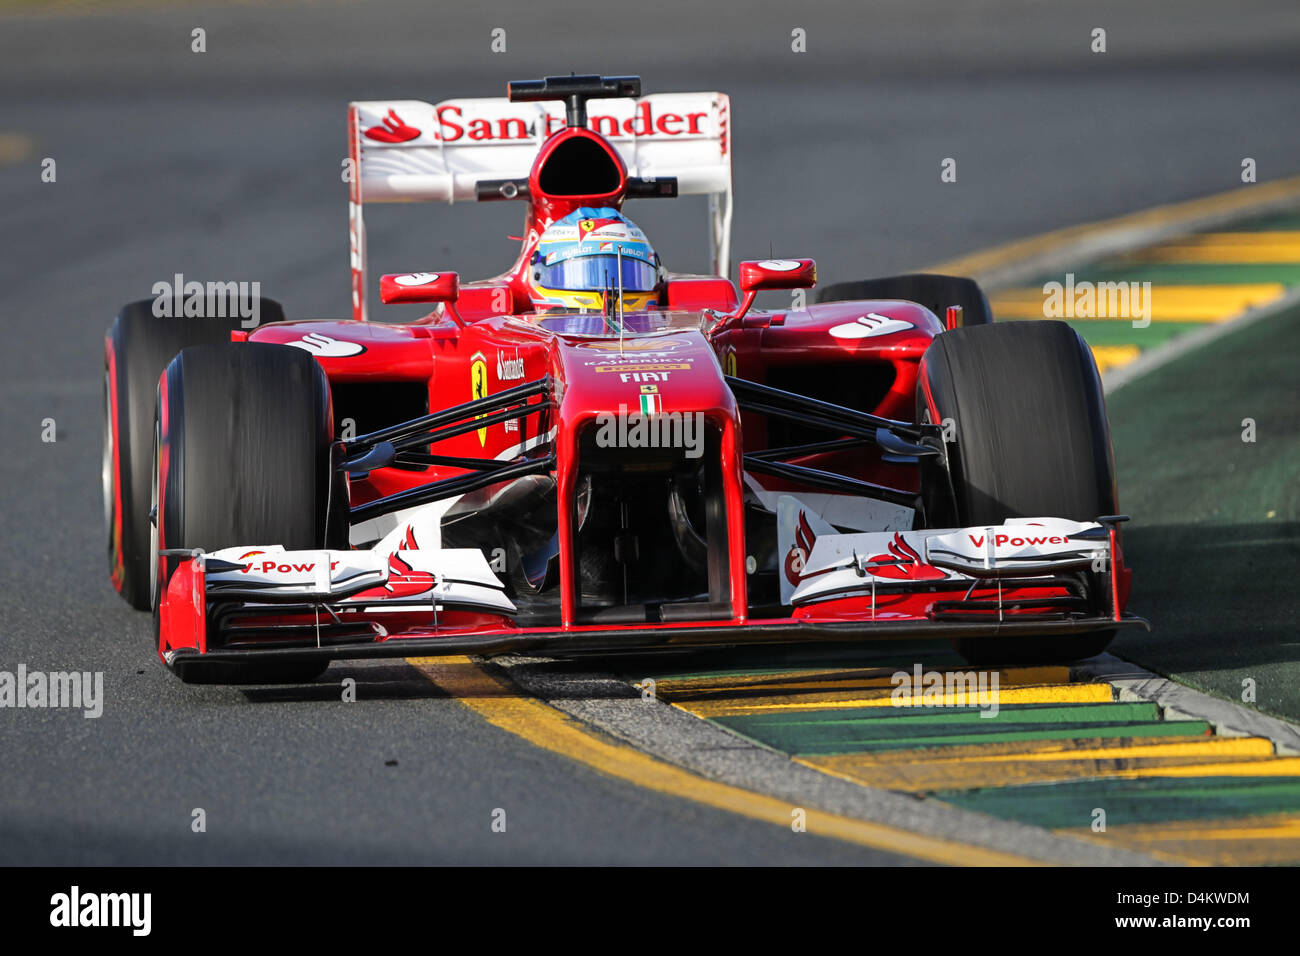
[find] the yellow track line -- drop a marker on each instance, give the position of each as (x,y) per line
(1248,841)
(1168,302)
(834,700)
(840,678)
(15,148)
(1279,246)
(1242,200)
(1271,767)
(545,727)
(958,775)
(1062,749)
(1113,356)
(1215,255)
(1254,237)
(1284,825)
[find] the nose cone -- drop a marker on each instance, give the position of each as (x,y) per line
(672,372)
(672,414)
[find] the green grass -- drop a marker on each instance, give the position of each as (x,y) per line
(1215,537)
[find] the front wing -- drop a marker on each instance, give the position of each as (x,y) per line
(1037,577)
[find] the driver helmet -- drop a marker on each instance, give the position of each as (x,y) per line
(579,260)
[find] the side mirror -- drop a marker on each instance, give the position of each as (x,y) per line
(765,275)
(419,287)
(768,274)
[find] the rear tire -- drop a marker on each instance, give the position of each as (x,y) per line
(244,459)
(1030,439)
(137,347)
(935,292)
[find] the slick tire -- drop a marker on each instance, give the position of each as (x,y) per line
(242,444)
(935,292)
(137,347)
(1029,438)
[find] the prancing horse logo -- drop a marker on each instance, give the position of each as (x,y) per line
(479,386)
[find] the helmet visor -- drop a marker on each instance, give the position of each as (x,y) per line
(597,273)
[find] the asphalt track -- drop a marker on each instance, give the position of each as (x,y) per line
(224,165)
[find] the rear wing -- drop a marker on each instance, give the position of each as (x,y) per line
(411,151)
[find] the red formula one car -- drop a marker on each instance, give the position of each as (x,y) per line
(591,453)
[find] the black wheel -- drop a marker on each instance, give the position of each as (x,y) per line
(137,348)
(1023,406)
(243,440)
(935,292)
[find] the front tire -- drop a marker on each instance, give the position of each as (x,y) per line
(244,436)
(1024,408)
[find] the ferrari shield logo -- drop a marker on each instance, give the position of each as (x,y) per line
(479,387)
